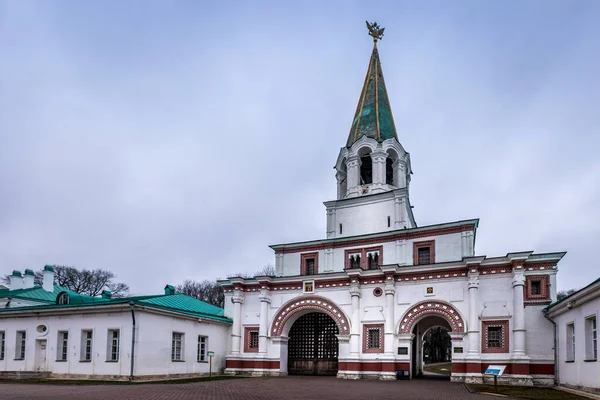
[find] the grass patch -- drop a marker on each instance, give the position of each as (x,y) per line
(88,382)
(439,368)
(527,392)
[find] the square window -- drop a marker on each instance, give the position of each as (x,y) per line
(494,338)
(373,338)
(309,264)
(536,288)
(251,339)
(424,252)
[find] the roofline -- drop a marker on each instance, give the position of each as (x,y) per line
(100,307)
(586,293)
(385,234)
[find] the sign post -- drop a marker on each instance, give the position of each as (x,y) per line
(495,371)
(211,354)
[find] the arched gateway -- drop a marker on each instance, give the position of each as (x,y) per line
(421,317)
(311,324)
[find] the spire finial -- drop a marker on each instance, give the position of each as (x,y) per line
(375,30)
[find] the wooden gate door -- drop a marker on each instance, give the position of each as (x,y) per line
(313,346)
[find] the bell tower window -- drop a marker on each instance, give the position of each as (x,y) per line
(366,170)
(309,264)
(389,171)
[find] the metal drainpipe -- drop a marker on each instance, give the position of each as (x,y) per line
(545,312)
(132,341)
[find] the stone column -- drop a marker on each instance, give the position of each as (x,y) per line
(518,313)
(236,329)
(263,329)
(355,319)
(378,157)
(390,292)
(473,329)
(399,173)
(353,165)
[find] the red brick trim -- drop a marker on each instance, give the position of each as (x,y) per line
(365,342)
(434,307)
(359,366)
(247,332)
(363,256)
(252,364)
(306,256)
(376,240)
(544,287)
(311,303)
(511,368)
(426,244)
(505,336)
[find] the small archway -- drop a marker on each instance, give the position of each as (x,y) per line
(420,356)
(366,169)
(421,317)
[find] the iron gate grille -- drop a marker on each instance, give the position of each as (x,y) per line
(313,345)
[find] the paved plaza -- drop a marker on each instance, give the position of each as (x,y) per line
(284,388)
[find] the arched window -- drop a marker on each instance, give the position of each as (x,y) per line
(63,298)
(389,171)
(366,170)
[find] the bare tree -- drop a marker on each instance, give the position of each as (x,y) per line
(84,281)
(565,293)
(208,291)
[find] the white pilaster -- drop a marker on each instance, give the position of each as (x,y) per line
(355,321)
(474,335)
(401,252)
(518,282)
(236,329)
(353,166)
(279,264)
(390,291)
(378,157)
(263,329)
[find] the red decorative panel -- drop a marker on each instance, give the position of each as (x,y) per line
(251,364)
(435,307)
(373,366)
(430,244)
(363,256)
(543,294)
(307,256)
(487,342)
(309,303)
(367,345)
(251,339)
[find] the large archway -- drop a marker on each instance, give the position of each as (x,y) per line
(421,317)
(313,347)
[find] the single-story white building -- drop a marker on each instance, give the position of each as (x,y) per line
(576,324)
(167,335)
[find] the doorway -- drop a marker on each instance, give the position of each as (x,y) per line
(313,345)
(40,354)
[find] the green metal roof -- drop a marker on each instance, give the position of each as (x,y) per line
(177,302)
(373,117)
(37,293)
(571,295)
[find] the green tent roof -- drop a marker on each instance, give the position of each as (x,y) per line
(373,117)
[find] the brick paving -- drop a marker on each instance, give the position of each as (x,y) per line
(284,388)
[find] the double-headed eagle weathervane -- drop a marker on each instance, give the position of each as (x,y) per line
(375,30)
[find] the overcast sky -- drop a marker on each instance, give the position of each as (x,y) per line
(172,140)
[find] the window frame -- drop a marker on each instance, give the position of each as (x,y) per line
(111,347)
(570,340)
(174,346)
(87,352)
(202,355)
(62,347)
(367,345)
(591,338)
(504,336)
(249,331)
(303,263)
(422,245)
(21,345)
(363,252)
(537,299)
(2,344)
